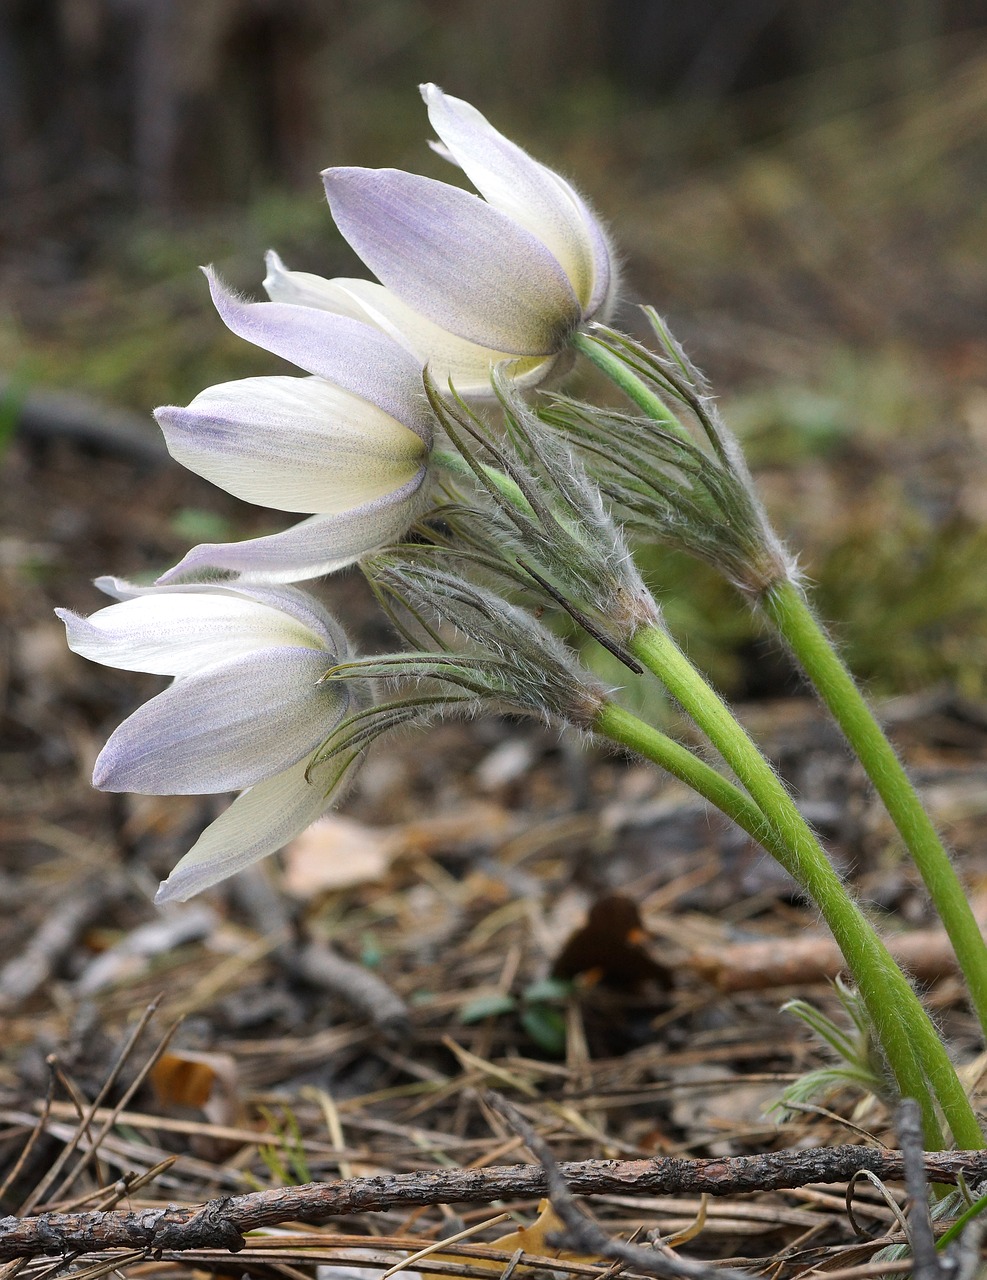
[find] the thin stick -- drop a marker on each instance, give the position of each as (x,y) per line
(929,1265)
(220,1224)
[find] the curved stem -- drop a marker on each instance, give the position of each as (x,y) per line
(904,1030)
(623,727)
(792,616)
(788,609)
(628,382)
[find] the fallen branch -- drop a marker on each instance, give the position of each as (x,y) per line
(926,954)
(222,1223)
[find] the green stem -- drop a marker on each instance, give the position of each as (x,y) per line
(628,382)
(903,1028)
(457,464)
(796,622)
(623,727)
(787,608)
(955,1229)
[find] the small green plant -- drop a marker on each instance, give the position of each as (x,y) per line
(539,1007)
(285,1157)
(858,1059)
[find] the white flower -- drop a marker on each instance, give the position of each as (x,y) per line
(466,282)
(246,709)
(350,444)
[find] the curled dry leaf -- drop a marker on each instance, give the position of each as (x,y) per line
(206,1082)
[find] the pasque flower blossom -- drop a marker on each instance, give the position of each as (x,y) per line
(466,282)
(350,444)
(246,709)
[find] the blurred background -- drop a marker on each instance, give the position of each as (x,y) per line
(799,187)
(797,184)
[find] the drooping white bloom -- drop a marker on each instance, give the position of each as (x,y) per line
(350,444)
(466,282)
(246,709)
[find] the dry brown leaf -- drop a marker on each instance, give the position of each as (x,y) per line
(611,947)
(206,1082)
(533,1240)
(336,853)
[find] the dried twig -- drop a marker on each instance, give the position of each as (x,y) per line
(28,971)
(221,1223)
(71,415)
(354,983)
(927,1264)
(584,1235)
(42,1189)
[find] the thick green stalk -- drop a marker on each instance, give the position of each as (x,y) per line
(903,1028)
(787,608)
(790,613)
(628,382)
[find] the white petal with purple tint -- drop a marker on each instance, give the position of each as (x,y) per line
(320,545)
(296,444)
(511,181)
(449,358)
(224,728)
(174,635)
(354,356)
(326,633)
(304,289)
(455,259)
(258,823)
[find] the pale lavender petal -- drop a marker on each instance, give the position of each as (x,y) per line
(311,549)
(516,184)
(181,633)
(225,728)
(303,289)
(311,613)
(256,824)
(603,295)
(449,255)
(450,358)
(354,356)
(296,444)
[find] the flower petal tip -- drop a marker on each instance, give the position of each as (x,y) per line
(172,890)
(103,776)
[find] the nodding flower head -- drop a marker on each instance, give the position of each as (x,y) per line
(466,281)
(247,708)
(350,445)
